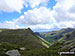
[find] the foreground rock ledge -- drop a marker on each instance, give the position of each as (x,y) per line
(13,53)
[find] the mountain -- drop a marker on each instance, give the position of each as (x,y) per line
(29,43)
(55,35)
(63,39)
(66,43)
(17,38)
(62,44)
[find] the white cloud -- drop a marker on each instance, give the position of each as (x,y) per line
(36,16)
(39,26)
(10,24)
(17,5)
(11,5)
(64,13)
(42,27)
(15,25)
(34,3)
(69,24)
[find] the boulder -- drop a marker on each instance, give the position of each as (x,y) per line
(22,48)
(13,53)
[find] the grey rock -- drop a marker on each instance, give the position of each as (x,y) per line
(13,53)
(22,48)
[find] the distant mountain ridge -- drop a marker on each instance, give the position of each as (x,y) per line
(34,44)
(62,40)
(55,35)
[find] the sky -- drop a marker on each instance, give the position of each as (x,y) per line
(39,15)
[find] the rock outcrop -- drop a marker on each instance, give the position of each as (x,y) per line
(13,53)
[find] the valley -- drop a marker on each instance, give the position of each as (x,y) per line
(29,43)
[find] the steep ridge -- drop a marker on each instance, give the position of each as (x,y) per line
(17,38)
(22,37)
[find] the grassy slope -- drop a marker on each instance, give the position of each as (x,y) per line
(15,39)
(56,35)
(21,37)
(65,43)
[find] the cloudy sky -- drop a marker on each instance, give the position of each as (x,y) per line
(39,15)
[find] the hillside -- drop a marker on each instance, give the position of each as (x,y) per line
(60,41)
(35,44)
(56,35)
(63,44)
(17,38)
(66,43)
